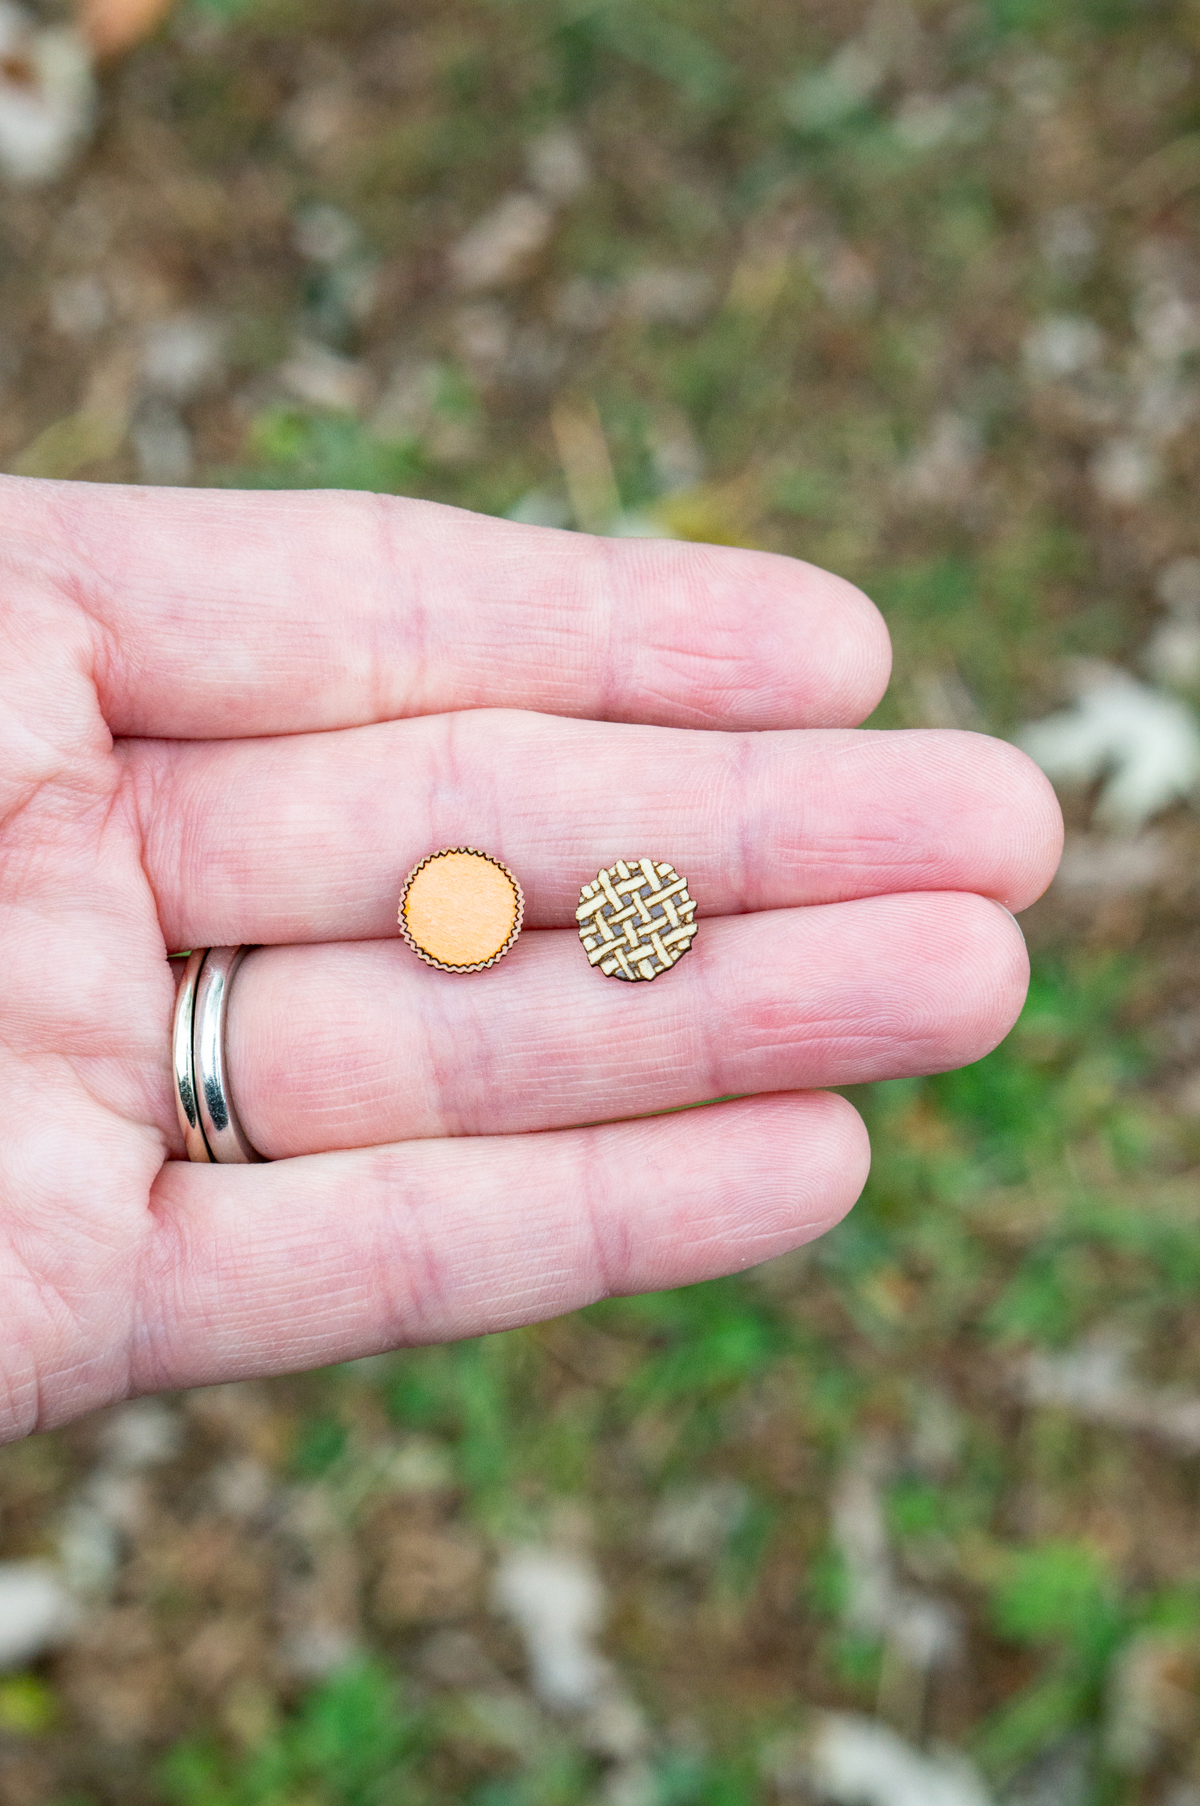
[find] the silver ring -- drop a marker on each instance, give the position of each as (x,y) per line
(183,1059)
(211,1130)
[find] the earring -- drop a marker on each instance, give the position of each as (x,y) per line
(636,918)
(461,910)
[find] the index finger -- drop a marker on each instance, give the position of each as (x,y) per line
(219,614)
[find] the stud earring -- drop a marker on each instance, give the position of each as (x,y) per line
(636,919)
(461,910)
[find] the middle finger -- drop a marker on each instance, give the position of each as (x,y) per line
(307,838)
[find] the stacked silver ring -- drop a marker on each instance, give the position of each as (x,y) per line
(211,1130)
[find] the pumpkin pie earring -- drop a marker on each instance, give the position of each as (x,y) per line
(636,919)
(461,910)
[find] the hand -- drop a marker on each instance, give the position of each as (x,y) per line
(242,718)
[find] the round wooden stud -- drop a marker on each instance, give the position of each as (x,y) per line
(460,910)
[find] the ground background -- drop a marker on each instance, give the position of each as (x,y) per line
(913,292)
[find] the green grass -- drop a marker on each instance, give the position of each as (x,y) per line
(351,1743)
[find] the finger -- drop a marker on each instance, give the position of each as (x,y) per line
(270,1269)
(334,1047)
(309,838)
(219,614)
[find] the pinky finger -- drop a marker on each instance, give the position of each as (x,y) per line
(258,1270)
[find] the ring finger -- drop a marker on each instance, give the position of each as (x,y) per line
(356,1044)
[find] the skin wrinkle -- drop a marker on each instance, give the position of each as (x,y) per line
(80,583)
(448,768)
(118,1355)
(29,868)
(23,1238)
(38,1192)
(475,785)
(683,1223)
(883,852)
(600,1262)
(744,757)
(543,643)
(313,1271)
(67,1387)
(704,717)
(105,653)
(415,614)
(682,659)
(941,750)
(53,1307)
(31,1418)
(761,1236)
(31,791)
(432,758)
(706,1019)
(597,606)
(173,1309)
(844,1056)
(79,771)
(184,1299)
(82,1050)
(753,1228)
(147,781)
(76,1067)
(438,1027)
(740,685)
(853,654)
(412,1283)
(604,1232)
(420,1270)
(345,1284)
(471,1046)
(21,1407)
(170,1306)
(601,557)
(119,810)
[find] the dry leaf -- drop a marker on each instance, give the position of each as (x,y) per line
(587,466)
(114,26)
(47,97)
(94,433)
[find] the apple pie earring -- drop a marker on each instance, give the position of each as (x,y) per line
(636,918)
(461,910)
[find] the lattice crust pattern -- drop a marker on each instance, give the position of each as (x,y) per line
(636,919)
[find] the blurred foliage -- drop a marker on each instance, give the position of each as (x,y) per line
(27,1705)
(351,1744)
(296,450)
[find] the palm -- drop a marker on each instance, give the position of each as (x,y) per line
(233,719)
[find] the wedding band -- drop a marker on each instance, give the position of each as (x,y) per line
(183,1060)
(211,1130)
